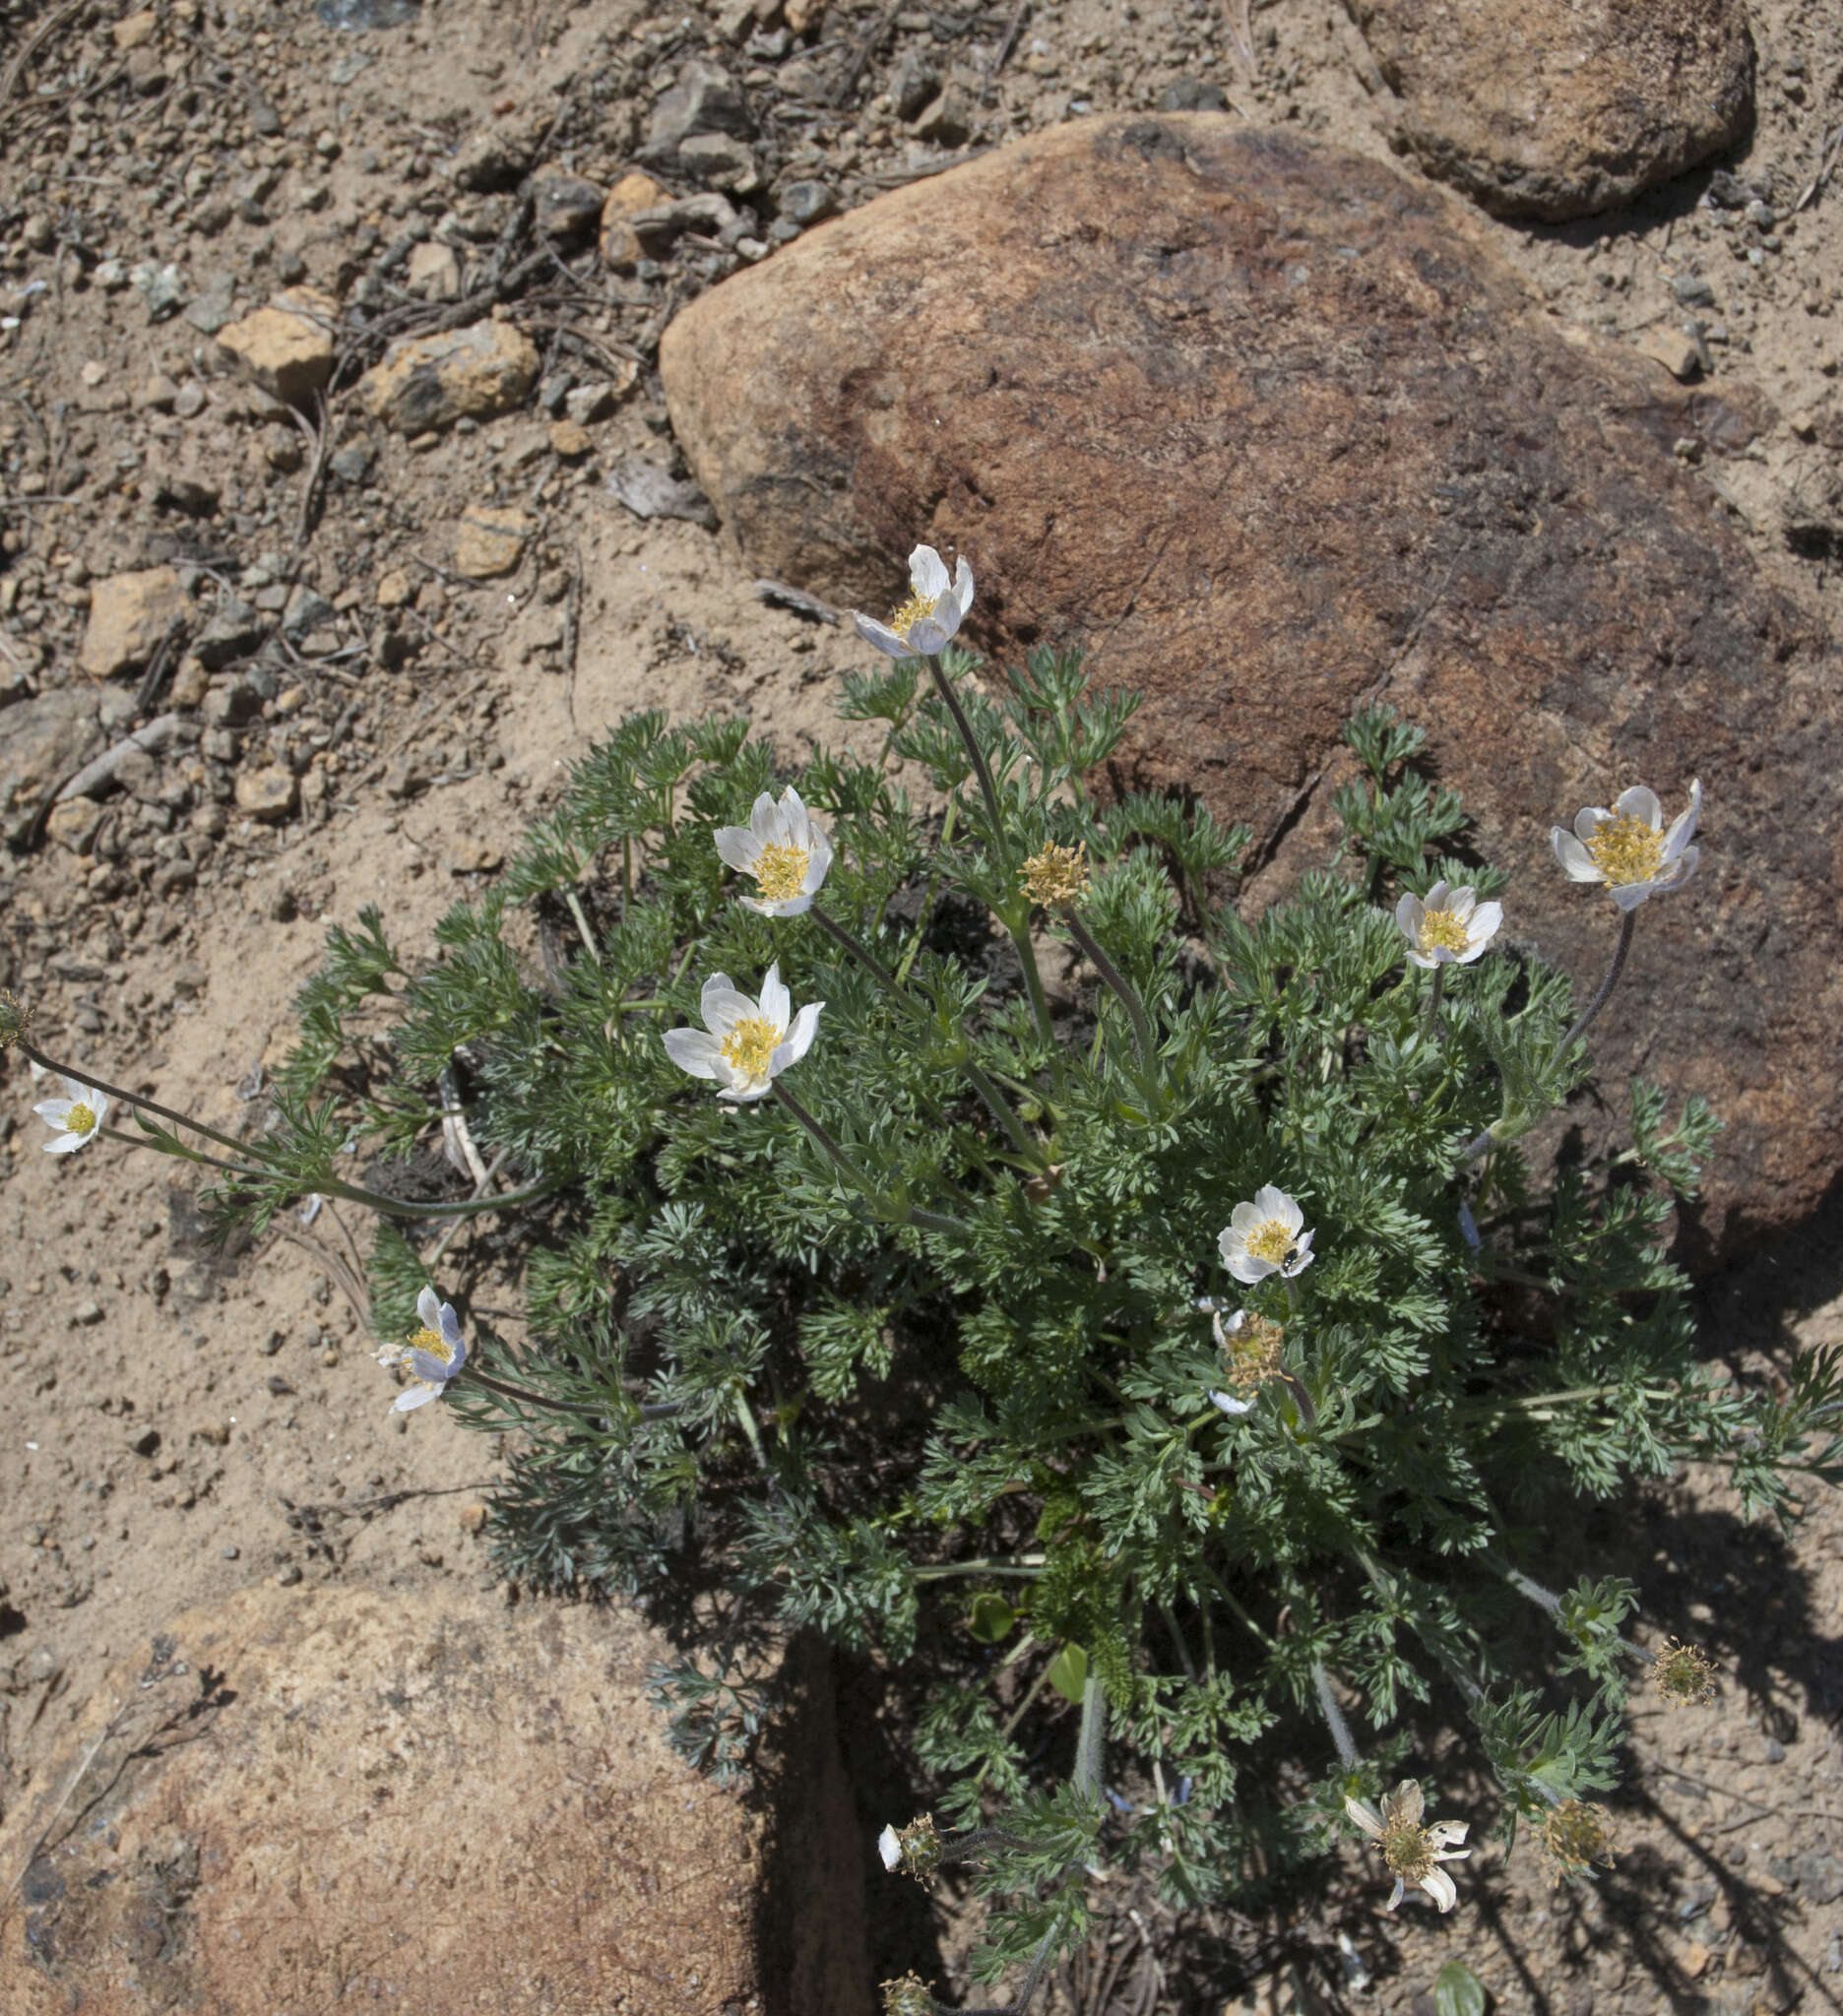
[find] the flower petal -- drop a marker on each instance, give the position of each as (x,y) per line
(1245,1268)
(890,1848)
(799,1039)
(65,1143)
(1409,912)
(1483,925)
(429,1310)
(746,1092)
(723,1004)
(882,636)
(765,822)
(1630,895)
(927,634)
(819,860)
(451,1331)
(1230,1405)
(1438,1886)
(1366,1816)
(1573,857)
(1304,1257)
(777,1004)
(413,1397)
(427,1366)
(1246,1218)
(737,848)
(694,1051)
(1682,827)
(54,1111)
(795,822)
(927,574)
(963,587)
(1589,821)
(1640,803)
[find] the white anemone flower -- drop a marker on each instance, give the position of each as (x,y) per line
(1413,1853)
(934,610)
(432,1355)
(74,1118)
(1267,1236)
(1447,926)
(1628,848)
(785,850)
(744,1045)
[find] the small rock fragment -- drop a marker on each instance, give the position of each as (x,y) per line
(130,615)
(489,541)
(286,347)
(269,795)
(428,382)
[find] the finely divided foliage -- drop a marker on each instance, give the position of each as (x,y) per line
(1136,1376)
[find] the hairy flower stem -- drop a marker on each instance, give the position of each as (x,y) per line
(943,685)
(929,1221)
(582,925)
(235,1169)
(996,1101)
(506,1390)
(1143,1040)
(1548,1599)
(1334,1719)
(1429,1020)
(1629,923)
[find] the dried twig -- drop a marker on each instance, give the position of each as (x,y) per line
(1829,151)
(155,735)
(780,595)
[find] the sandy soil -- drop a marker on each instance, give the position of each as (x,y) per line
(161,1404)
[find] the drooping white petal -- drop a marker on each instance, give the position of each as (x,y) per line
(818,845)
(695,1050)
(1641,804)
(1630,895)
(1440,1886)
(1409,912)
(427,1366)
(1366,1816)
(746,1091)
(1242,1264)
(1575,861)
(413,1397)
(777,1004)
(65,1143)
(429,1310)
(739,849)
(794,820)
(1482,927)
(1231,1405)
(927,634)
(451,1332)
(927,574)
(886,639)
(1682,827)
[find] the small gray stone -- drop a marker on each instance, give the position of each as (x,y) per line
(806,203)
(718,161)
(1192,95)
(914,80)
(190,401)
(568,208)
(352,463)
(1775,1751)
(706,99)
(161,288)
(234,631)
(1692,292)
(232,1552)
(288,1576)
(308,609)
(649,491)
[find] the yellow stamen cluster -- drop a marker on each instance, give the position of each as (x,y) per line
(781,870)
(1683,1675)
(911,613)
(1627,849)
(1271,1243)
(80,1119)
(1057,875)
(427,1340)
(1441,930)
(1576,1834)
(908,1996)
(1253,1355)
(921,1846)
(1408,1850)
(750,1045)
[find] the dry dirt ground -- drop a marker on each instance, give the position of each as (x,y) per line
(163,1406)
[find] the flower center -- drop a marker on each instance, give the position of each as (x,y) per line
(911,613)
(430,1341)
(1059,874)
(1271,1243)
(1408,1850)
(781,870)
(80,1119)
(1627,850)
(751,1045)
(1253,1355)
(1441,929)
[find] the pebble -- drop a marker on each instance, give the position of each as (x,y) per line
(289,1576)
(1692,292)
(1775,1751)
(232,1552)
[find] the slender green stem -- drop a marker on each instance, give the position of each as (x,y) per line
(991,1564)
(524,1394)
(929,1221)
(408,1207)
(582,925)
(1143,1040)
(1019,927)
(1429,1020)
(235,1169)
(135,1098)
(943,685)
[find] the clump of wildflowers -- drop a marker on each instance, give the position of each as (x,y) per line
(1683,1675)
(1413,1848)
(1573,1837)
(74,1118)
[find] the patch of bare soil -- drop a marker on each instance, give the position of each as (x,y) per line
(369,696)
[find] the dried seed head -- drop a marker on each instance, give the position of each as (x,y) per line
(919,1848)
(1058,875)
(1251,1351)
(908,1996)
(1683,1675)
(1576,1835)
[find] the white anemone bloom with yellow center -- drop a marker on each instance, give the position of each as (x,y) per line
(74,1118)
(744,1045)
(432,1355)
(785,848)
(935,609)
(1413,1852)
(1629,848)
(1447,926)
(1267,1236)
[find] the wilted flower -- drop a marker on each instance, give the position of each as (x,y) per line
(916,1850)
(934,610)
(1575,1834)
(1629,848)
(1251,1347)
(1266,1238)
(784,850)
(432,1355)
(1057,875)
(748,1043)
(1447,926)
(1411,1852)
(908,1996)
(74,1118)
(1683,1675)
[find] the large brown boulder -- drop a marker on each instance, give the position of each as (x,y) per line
(1270,429)
(426,1802)
(1558,108)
